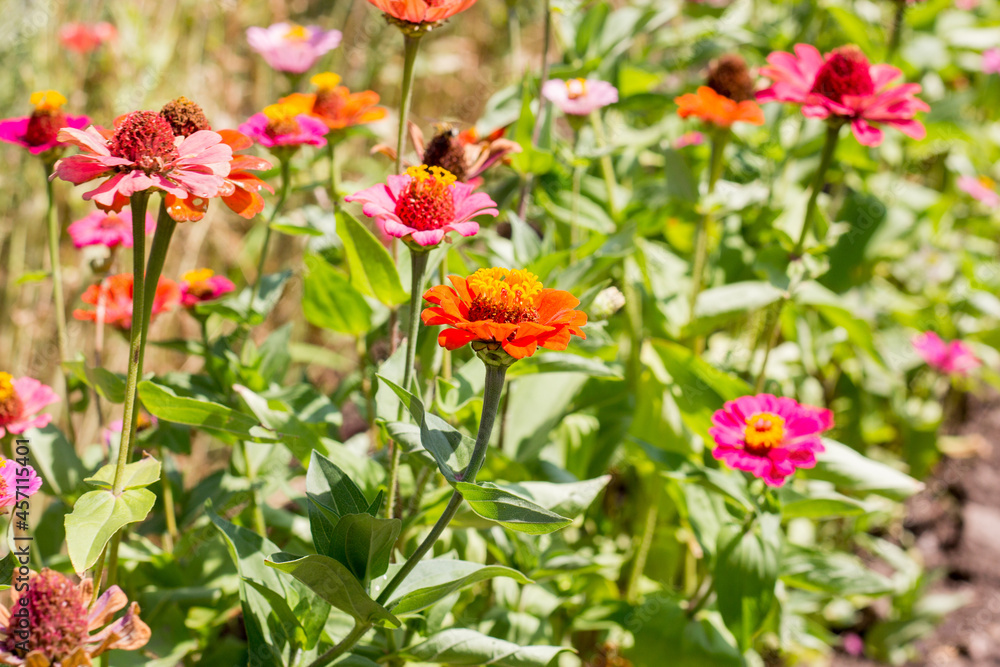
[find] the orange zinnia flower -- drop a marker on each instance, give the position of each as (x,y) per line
(717,109)
(113,296)
(337,106)
(505,309)
(421,12)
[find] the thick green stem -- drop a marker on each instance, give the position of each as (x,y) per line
(256,501)
(345,645)
(819,180)
(331,153)
(607,168)
(282,196)
(411,44)
(719,140)
(57,283)
(418,266)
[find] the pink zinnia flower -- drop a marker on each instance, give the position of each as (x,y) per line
(981,189)
(39,132)
(143,154)
(689,139)
(285,125)
(844,87)
(768,436)
(424,204)
(422,11)
(991,61)
(107,229)
(203,285)
(16,478)
(952,358)
(21,403)
(86,37)
(579,97)
(288,47)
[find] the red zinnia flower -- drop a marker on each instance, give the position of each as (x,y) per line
(114,296)
(39,132)
(504,308)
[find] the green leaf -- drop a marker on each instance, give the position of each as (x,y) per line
(110,386)
(569,499)
(332,581)
(295,435)
(364,544)
(372,270)
(822,505)
(835,573)
(164,404)
(468,647)
(855,472)
(736,298)
(96,516)
(240,309)
(331,302)
(7,565)
(435,579)
(746,570)
(510,511)
(55,459)
(32,277)
(138,474)
(563,362)
(330,486)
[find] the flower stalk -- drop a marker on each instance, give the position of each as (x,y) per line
(58,299)
(720,138)
(282,196)
(819,180)
(411,44)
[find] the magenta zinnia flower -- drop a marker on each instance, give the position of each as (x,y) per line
(579,97)
(14,479)
(991,61)
(21,403)
(203,285)
(424,204)
(844,87)
(953,358)
(107,229)
(768,436)
(39,132)
(288,47)
(981,189)
(284,125)
(142,155)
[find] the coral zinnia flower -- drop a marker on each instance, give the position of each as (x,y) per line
(768,436)
(335,105)
(86,37)
(203,285)
(21,403)
(579,97)
(981,189)
(505,308)
(463,154)
(717,109)
(107,229)
(421,12)
(62,632)
(16,479)
(953,358)
(424,204)
(114,295)
(39,132)
(143,154)
(844,87)
(289,47)
(240,190)
(285,125)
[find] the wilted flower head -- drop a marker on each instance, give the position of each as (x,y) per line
(579,97)
(420,15)
(285,125)
(844,88)
(335,105)
(991,61)
(112,298)
(86,37)
(106,229)
(60,631)
(289,47)
(39,132)
(952,358)
(203,285)
(424,204)
(505,314)
(143,154)
(21,403)
(729,76)
(769,437)
(981,189)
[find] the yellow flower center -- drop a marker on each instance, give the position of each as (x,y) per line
(10,402)
(764,431)
(428,202)
(198,275)
(297,33)
(504,296)
(576,88)
(987,182)
(281,118)
(325,81)
(47,100)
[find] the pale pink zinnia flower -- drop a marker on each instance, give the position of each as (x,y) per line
(689,139)
(424,204)
(21,403)
(843,86)
(991,61)
(143,154)
(203,285)
(579,97)
(284,125)
(107,229)
(39,132)
(86,37)
(289,47)
(768,436)
(953,358)
(981,189)
(966,5)
(14,479)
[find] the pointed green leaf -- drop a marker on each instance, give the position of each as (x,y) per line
(746,570)
(468,647)
(364,543)
(331,302)
(216,418)
(435,579)
(372,270)
(96,516)
(137,475)
(509,510)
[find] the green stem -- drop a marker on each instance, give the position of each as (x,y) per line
(418,266)
(607,168)
(819,180)
(642,553)
(282,196)
(256,501)
(536,132)
(411,44)
(345,645)
(716,165)
(895,36)
(59,302)
(168,505)
(772,340)
(331,153)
